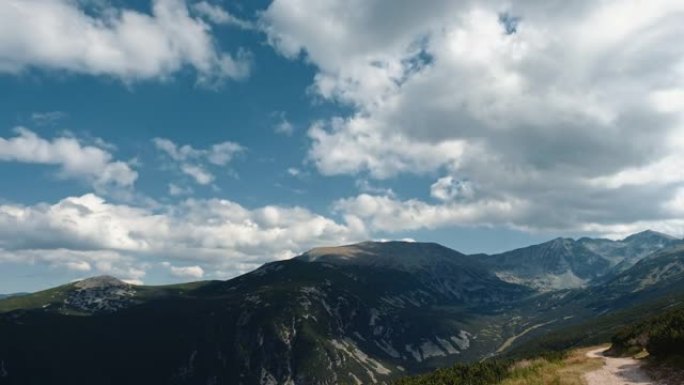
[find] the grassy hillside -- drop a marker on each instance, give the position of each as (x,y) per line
(558,368)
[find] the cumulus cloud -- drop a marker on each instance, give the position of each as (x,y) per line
(91,163)
(562,115)
(117,42)
(191,161)
(389,214)
(213,234)
(351,147)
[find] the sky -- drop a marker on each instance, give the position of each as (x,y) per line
(174,140)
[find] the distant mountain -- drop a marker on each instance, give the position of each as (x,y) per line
(565,263)
(624,253)
(558,264)
(362,313)
(103,294)
(659,272)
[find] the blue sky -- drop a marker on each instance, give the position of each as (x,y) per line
(173,140)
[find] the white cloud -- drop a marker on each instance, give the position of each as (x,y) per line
(386,213)
(75,159)
(92,262)
(365,186)
(569,121)
(349,147)
(222,153)
(284,127)
(668,100)
(192,161)
(78,266)
(192,272)
(449,188)
(219,154)
(176,190)
(124,240)
(389,214)
(218,15)
(117,42)
(199,174)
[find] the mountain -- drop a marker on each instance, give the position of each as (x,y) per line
(565,263)
(359,313)
(624,253)
(558,264)
(103,294)
(453,275)
(363,313)
(657,274)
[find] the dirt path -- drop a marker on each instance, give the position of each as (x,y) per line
(510,341)
(617,371)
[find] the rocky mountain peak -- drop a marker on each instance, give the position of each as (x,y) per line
(100,282)
(100,294)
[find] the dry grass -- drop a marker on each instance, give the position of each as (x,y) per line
(569,371)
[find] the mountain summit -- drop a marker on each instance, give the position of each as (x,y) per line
(650,236)
(397,255)
(99,282)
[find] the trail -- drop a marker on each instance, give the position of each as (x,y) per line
(510,340)
(617,371)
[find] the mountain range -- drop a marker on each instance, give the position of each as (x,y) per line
(364,313)
(565,263)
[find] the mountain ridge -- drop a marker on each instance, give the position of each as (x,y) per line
(566,263)
(367,313)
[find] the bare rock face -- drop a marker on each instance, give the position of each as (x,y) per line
(100,294)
